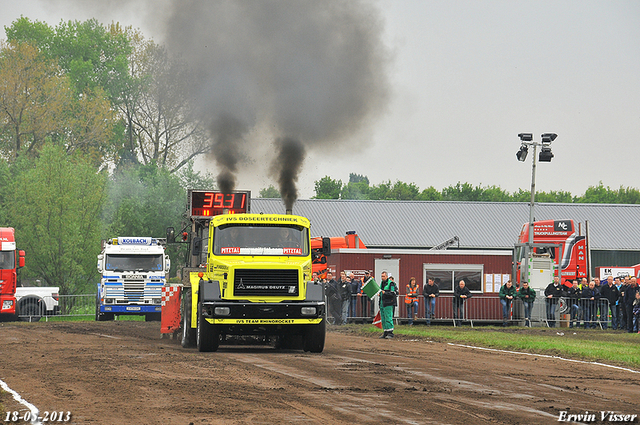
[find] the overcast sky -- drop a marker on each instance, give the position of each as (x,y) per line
(466,78)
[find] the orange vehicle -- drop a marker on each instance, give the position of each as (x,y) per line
(350,240)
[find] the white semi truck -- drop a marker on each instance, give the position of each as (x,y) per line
(133,271)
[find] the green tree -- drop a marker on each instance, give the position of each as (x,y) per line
(554,197)
(37,103)
(381,191)
(327,188)
(91,54)
(191,179)
(270,192)
(357,188)
(430,194)
(54,204)
(599,195)
(628,195)
(405,191)
(143,200)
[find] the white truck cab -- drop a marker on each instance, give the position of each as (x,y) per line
(133,271)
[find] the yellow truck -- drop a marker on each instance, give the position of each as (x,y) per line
(256,281)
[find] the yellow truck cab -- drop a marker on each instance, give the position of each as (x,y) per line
(256,281)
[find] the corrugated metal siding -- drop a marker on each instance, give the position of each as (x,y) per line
(423,224)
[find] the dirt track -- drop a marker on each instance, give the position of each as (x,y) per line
(122,372)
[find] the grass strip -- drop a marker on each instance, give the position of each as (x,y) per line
(619,348)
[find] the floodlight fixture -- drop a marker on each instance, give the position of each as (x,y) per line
(548,137)
(526,137)
(545,154)
(522,153)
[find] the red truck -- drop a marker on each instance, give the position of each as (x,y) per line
(10,261)
(559,240)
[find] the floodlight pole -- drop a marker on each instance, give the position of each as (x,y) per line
(532,204)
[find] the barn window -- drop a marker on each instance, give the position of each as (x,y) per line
(448,275)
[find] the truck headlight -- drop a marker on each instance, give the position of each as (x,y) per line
(7,304)
(222,311)
(308,311)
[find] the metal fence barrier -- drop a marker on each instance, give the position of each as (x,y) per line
(478,309)
(488,310)
(32,309)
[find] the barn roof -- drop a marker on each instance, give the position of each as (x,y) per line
(478,225)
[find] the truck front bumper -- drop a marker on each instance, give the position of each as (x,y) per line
(131,309)
(245,313)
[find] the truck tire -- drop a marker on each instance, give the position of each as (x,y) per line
(152,317)
(31,309)
(188,335)
(208,338)
(102,317)
(314,337)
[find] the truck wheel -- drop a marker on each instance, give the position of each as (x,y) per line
(207,336)
(30,310)
(152,317)
(102,317)
(188,335)
(314,337)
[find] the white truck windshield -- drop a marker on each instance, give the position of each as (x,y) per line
(261,240)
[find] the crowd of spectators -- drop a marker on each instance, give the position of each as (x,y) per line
(592,304)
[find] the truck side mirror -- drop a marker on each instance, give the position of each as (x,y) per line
(21,258)
(326,246)
(171,235)
(197,245)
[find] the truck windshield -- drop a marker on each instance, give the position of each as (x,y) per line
(129,262)
(7,260)
(264,239)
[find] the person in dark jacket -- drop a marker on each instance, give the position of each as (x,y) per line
(460,294)
(553,292)
(591,296)
(506,295)
(610,293)
(430,292)
(356,287)
(574,300)
(344,289)
(528,296)
(629,298)
(333,299)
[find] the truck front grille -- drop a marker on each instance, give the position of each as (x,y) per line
(267,282)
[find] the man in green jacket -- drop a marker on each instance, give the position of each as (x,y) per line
(507,294)
(528,296)
(388,300)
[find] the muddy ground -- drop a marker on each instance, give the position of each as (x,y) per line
(124,373)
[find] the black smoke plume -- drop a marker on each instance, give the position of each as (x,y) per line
(227,132)
(286,167)
(308,70)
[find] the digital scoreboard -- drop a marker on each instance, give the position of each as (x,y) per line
(207,203)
